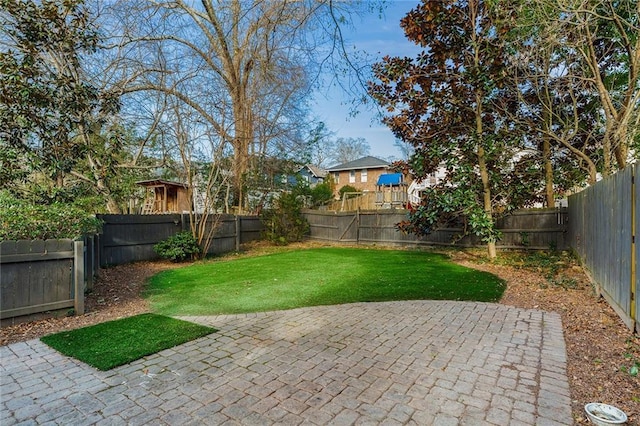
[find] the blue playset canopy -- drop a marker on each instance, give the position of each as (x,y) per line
(390,179)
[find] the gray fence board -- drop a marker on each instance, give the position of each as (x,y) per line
(544,229)
(130,238)
(601,231)
(36,276)
(635,312)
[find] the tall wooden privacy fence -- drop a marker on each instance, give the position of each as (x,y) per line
(40,277)
(129,238)
(604,220)
(534,229)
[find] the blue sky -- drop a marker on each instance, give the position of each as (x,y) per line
(377,37)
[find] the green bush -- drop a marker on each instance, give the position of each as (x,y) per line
(178,247)
(347,188)
(284,223)
(22,220)
(321,194)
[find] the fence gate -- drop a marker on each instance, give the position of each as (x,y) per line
(350,228)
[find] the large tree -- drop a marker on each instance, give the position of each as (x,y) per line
(588,75)
(246,68)
(59,131)
(450,103)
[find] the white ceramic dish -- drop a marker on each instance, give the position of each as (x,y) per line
(603,414)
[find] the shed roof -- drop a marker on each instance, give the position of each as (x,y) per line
(390,179)
(161,182)
(368,162)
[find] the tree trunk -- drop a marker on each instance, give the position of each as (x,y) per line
(241,142)
(112,205)
(546,151)
(482,161)
(484,173)
(621,146)
(548,173)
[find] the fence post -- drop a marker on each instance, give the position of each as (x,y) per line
(78,277)
(101,256)
(238,232)
(358,225)
(88,260)
(96,255)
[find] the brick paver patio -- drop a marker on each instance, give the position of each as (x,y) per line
(395,363)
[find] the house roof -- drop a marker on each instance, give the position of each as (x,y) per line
(368,162)
(316,171)
(390,179)
(160,182)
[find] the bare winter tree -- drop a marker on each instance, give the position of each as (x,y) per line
(201,166)
(594,47)
(349,149)
(256,59)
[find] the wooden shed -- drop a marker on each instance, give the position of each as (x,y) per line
(165,197)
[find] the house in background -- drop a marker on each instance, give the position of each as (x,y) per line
(312,174)
(165,196)
(308,173)
(362,173)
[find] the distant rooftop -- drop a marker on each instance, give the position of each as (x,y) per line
(317,172)
(368,162)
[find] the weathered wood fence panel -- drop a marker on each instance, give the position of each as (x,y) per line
(250,228)
(40,276)
(130,238)
(534,229)
(635,273)
(601,230)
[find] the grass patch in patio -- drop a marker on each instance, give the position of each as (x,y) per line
(113,343)
(318,276)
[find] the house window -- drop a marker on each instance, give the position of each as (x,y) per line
(352,176)
(363,175)
(336,177)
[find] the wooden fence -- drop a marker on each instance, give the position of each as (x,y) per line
(41,278)
(604,220)
(533,229)
(130,238)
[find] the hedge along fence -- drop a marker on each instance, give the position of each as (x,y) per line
(530,228)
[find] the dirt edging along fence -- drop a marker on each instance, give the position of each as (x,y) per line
(42,278)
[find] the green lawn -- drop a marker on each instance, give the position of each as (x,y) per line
(113,343)
(318,276)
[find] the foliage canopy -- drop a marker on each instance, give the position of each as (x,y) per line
(22,220)
(450,104)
